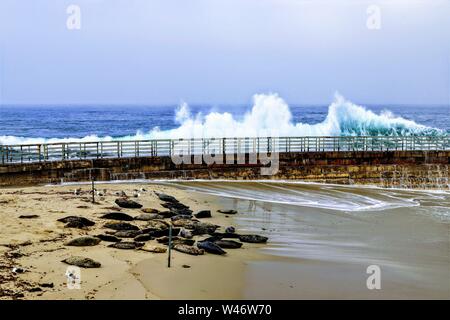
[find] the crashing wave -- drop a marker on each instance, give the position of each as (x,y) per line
(269,116)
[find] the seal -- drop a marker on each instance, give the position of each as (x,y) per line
(188,249)
(253,238)
(227,211)
(166,198)
(149,210)
(148,216)
(117,216)
(153,249)
(128,233)
(120,226)
(127,203)
(125,245)
(210,247)
(82,262)
(228,244)
(108,238)
(203,214)
(143,237)
(80,220)
(83,241)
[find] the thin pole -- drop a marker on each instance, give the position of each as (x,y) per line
(170,246)
(93,189)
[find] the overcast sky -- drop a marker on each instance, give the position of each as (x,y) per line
(224,51)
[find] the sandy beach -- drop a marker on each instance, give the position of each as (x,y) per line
(36,245)
(321,240)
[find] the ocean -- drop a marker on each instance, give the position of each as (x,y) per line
(268,116)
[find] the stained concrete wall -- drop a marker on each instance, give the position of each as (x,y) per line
(417,169)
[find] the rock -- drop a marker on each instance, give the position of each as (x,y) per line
(227,211)
(120,226)
(18,270)
(143,237)
(126,245)
(210,247)
(148,216)
(166,198)
(127,203)
(76,220)
(188,249)
(228,244)
(128,233)
(185,233)
(83,241)
(230,230)
(149,210)
(203,214)
(28,216)
(108,238)
(82,262)
(153,249)
(253,238)
(117,216)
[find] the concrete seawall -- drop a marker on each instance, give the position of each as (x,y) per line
(411,169)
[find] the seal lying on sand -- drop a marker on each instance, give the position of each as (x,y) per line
(126,245)
(227,211)
(210,247)
(188,249)
(120,226)
(148,216)
(149,210)
(82,262)
(153,249)
(143,237)
(127,203)
(203,214)
(128,233)
(83,241)
(117,216)
(166,198)
(108,238)
(228,244)
(76,219)
(253,238)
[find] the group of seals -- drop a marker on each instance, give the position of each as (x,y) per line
(183,224)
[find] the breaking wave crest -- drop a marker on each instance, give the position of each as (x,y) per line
(269,116)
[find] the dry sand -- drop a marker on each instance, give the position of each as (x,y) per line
(37,246)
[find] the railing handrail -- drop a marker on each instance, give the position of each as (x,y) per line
(217,138)
(67,150)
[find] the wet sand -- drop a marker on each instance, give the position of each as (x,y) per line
(322,238)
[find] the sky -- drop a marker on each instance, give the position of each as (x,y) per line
(157,52)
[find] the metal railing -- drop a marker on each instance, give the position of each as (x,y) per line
(145,148)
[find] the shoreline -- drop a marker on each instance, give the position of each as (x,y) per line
(124,274)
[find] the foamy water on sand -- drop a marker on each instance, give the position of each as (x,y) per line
(327,236)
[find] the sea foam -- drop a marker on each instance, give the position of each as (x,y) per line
(269,116)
